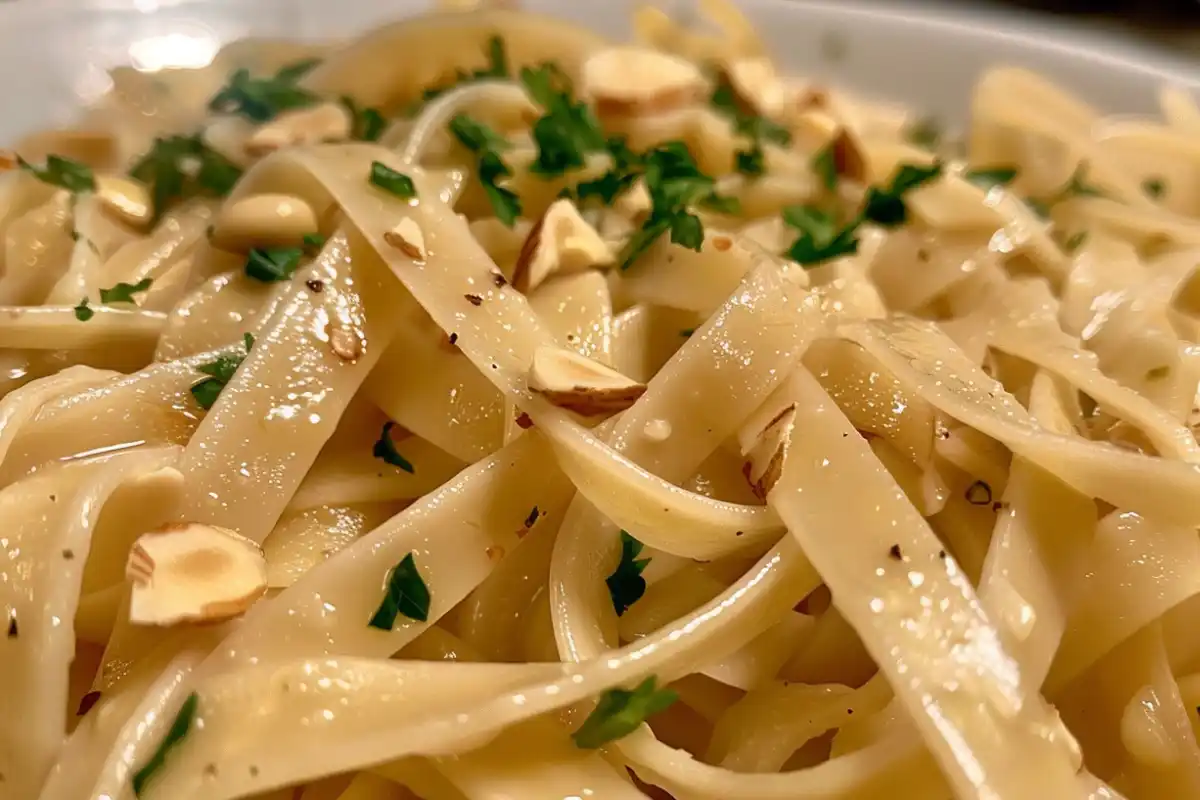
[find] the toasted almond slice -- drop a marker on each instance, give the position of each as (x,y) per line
(765,457)
(758,85)
(561,241)
(638,80)
(407,238)
(327,122)
(579,384)
(848,156)
(192,572)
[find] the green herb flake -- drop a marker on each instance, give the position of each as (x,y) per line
(406,594)
(367,123)
(987,178)
(820,238)
(179,167)
(496,69)
(391,181)
(885,206)
(313,241)
(385,449)
(626,585)
(750,162)
(1154,187)
(82,312)
(271,264)
(568,130)
(620,713)
(63,172)
(124,292)
(487,145)
(824,166)
(219,373)
(262,99)
(674,183)
(175,734)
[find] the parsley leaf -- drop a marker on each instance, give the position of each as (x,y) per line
(406,594)
(124,292)
(626,585)
(886,206)
(749,162)
(391,181)
(313,241)
(567,131)
(620,713)
(385,449)
(82,312)
(367,124)
(271,264)
(819,240)
(178,167)
(220,372)
(987,178)
(61,171)
(1155,187)
(824,166)
(675,184)
(487,144)
(262,99)
(175,734)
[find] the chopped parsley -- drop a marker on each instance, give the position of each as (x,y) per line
(271,264)
(497,68)
(759,129)
(1155,187)
(749,162)
(406,594)
(64,172)
(824,166)
(385,449)
(175,734)
(220,372)
(313,241)
(987,178)
(822,239)
(675,184)
(124,292)
(620,713)
(390,180)
(487,145)
(367,124)
(626,585)
(568,130)
(82,312)
(179,167)
(262,99)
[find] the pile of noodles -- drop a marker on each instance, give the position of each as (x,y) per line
(878,627)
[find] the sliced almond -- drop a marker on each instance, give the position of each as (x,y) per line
(765,457)
(263,220)
(560,242)
(327,122)
(758,85)
(637,80)
(126,199)
(407,238)
(579,384)
(848,156)
(192,572)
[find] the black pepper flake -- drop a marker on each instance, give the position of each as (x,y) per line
(315,285)
(849,710)
(474,299)
(738,533)
(524,421)
(53,498)
(532,518)
(499,280)
(13,632)
(453,338)
(922,255)
(894,552)
(68,554)
(86,702)
(210,770)
(253,771)
(944,433)
(941,553)
(979,494)
(999,504)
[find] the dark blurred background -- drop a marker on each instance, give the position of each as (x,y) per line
(1173,21)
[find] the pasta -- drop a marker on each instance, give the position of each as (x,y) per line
(482,409)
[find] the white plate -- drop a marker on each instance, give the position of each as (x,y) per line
(53,52)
